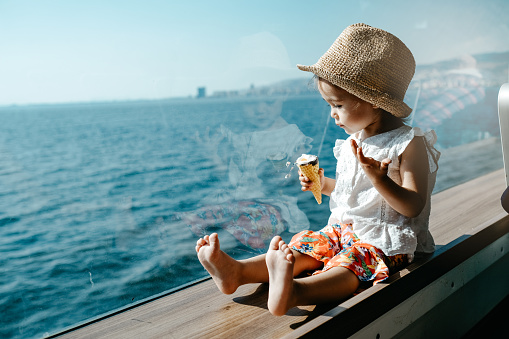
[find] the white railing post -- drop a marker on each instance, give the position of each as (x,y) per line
(503,116)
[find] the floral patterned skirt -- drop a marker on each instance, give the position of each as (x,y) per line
(338,246)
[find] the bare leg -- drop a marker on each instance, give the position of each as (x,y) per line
(336,284)
(286,292)
(229,274)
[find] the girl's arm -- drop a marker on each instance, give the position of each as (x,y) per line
(410,198)
(328,184)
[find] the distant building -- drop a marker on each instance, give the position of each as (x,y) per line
(225,94)
(202,92)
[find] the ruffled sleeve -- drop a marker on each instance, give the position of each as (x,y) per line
(337,148)
(430,139)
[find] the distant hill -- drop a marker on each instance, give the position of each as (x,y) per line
(492,70)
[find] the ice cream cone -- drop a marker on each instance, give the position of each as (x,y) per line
(308,165)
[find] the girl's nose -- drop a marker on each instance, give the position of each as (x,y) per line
(333,113)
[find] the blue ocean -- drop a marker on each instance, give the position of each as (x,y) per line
(95,198)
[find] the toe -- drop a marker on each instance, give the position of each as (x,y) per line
(214,239)
(288,254)
(283,246)
(274,243)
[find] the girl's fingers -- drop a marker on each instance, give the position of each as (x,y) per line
(369,164)
(302,177)
(354,146)
(357,151)
(360,154)
(385,163)
(305,187)
(362,159)
(369,161)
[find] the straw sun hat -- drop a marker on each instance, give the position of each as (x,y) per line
(371,64)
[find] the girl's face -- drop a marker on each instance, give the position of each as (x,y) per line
(349,112)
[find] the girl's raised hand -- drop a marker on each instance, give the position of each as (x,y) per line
(374,169)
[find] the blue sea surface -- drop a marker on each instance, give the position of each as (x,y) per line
(92,196)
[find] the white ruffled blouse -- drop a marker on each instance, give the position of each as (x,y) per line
(355,200)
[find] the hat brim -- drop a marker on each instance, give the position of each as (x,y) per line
(392,105)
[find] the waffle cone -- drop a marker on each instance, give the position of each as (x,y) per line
(311,172)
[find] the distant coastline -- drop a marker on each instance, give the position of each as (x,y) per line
(492,69)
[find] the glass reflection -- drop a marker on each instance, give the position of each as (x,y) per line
(253,157)
(102,199)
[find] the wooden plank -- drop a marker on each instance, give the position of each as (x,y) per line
(202,311)
(462,209)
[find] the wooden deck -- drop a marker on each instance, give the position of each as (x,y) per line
(465,220)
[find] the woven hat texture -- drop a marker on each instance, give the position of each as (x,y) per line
(371,64)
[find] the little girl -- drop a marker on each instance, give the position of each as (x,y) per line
(380,199)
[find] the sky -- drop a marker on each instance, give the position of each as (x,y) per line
(54,51)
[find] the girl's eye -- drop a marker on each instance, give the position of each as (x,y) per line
(337,106)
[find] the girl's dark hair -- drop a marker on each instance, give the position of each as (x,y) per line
(313,82)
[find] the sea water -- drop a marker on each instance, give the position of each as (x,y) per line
(92,197)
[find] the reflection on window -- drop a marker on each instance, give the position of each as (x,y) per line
(458,99)
(102,203)
(253,153)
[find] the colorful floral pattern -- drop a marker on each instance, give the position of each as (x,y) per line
(337,245)
(254,224)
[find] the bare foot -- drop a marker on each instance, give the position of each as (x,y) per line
(280,261)
(223,268)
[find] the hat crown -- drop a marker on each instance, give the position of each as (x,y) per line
(370,63)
